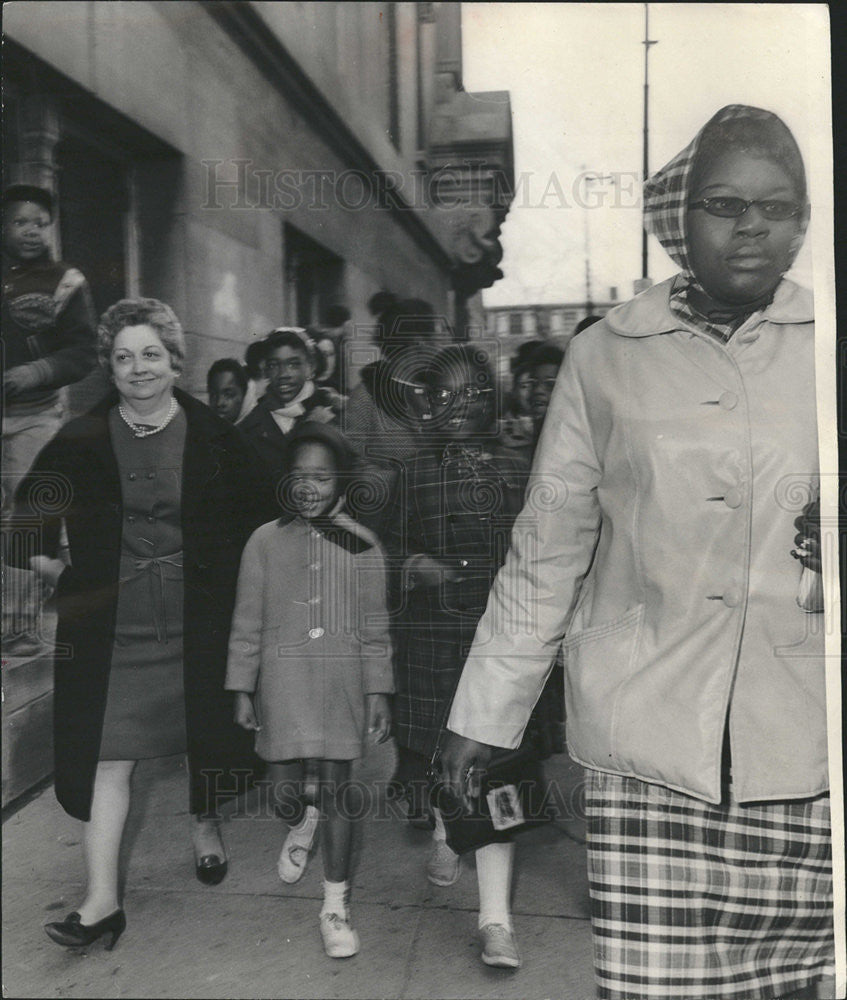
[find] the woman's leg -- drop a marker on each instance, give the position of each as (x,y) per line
(206,838)
(494,875)
(102,838)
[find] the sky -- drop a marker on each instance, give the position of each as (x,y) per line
(575,73)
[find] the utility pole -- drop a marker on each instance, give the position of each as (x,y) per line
(646,172)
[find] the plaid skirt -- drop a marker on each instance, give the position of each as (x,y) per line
(693,900)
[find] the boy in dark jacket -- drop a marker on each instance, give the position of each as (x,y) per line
(48,331)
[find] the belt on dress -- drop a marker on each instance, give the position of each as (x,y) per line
(152,565)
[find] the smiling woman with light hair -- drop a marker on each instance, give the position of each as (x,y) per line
(159,497)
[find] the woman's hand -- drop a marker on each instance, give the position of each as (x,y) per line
(426,571)
(460,757)
(808,537)
(47,571)
(245,712)
(379,717)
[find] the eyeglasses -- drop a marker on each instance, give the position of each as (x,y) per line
(446,397)
(730,207)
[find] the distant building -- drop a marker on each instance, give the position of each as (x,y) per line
(512,325)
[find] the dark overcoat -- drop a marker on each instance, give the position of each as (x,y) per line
(225,497)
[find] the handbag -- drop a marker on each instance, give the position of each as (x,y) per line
(511,799)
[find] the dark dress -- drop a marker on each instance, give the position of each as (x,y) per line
(145,708)
(225,496)
(456,504)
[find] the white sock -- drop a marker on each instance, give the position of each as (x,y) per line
(335,898)
(304,832)
(494,875)
(439,833)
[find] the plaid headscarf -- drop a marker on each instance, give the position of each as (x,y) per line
(666,196)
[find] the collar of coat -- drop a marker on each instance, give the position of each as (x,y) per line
(336,527)
(649,313)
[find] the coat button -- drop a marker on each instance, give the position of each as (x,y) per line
(131,518)
(315,565)
(728,400)
(315,633)
(151,475)
(732,597)
(150,518)
(132,477)
(733,498)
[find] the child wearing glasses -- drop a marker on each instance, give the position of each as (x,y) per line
(448,535)
(310,662)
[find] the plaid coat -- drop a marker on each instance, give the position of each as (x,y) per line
(457,505)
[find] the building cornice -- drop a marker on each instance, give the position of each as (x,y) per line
(247,29)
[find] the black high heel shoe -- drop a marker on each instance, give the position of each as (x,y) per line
(72,933)
(210,870)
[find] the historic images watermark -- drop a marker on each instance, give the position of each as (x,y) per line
(356,800)
(239,184)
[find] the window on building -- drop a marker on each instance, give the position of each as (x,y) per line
(314,279)
(516,323)
(393,78)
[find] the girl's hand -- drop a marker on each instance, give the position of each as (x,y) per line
(48,572)
(379,717)
(426,571)
(245,713)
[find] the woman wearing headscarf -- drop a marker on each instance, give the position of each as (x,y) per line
(681,430)
(159,496)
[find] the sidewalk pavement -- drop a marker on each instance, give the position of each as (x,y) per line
(253,936)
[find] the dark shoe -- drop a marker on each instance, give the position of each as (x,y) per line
(72,933)
(210,870)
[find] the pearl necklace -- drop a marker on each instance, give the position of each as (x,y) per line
(145,430)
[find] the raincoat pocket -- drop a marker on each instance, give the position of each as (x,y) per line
(600,660)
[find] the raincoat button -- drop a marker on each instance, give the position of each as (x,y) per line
(732,597)
(728,400)
(132,477)
(732,498)
(315,633)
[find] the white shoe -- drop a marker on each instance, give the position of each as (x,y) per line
(340,940)
(295,851)
(499,947)
(444,865)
